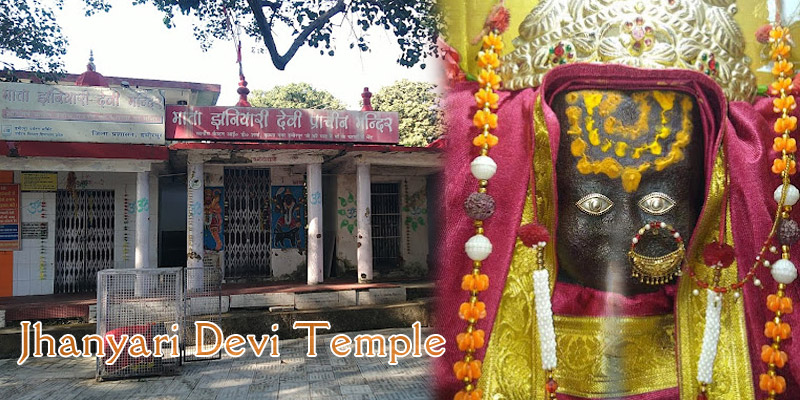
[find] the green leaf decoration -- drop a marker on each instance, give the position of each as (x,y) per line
(341,212)
(342,201)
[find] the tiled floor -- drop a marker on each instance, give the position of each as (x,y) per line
(293,376)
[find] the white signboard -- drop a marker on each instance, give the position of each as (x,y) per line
(35,112)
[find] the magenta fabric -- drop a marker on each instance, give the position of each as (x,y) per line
(749,145)
(580,301)
(747,130)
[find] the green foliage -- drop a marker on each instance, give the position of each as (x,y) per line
(295,95)
(415,24)
(31,34)
(418,105)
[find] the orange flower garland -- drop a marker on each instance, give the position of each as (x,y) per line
(784,102)
(783,270)
(468,370)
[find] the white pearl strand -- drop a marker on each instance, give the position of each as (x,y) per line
(544,317)
(705,365)
(783,271)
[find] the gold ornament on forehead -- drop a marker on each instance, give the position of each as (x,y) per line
(687,34)
(604,144)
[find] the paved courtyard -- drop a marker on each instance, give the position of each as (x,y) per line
(293,376)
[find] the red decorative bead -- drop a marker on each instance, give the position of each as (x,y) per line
(702,396)
(716,253)
(531,234)
(479,206)
(498,19)
(762,33)
(551,386)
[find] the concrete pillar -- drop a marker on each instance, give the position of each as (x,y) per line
(142,206)
(194,224)
(364,200)
(314,201)
(142,252)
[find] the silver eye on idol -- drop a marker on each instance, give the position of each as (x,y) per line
(594,204)
(656,203)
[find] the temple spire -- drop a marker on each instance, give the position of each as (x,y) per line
(91,77)
(242,90)
(91,66)
(366,95)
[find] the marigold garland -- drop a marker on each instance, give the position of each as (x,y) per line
(782,270)
(468,370)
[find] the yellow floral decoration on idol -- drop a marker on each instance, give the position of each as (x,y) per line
(631,149)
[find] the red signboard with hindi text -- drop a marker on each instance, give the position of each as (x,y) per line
(9,217)
(280,125)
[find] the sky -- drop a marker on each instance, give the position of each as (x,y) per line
(132,41)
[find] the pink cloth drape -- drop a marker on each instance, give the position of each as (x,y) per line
(747,133)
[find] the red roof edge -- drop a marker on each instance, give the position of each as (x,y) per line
(134,82)
(85,150)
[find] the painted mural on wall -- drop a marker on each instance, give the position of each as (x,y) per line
(347,209)
(415,210)
(288,217)
(213,221)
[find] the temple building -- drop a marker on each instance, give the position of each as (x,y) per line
(101,172)
(298,194)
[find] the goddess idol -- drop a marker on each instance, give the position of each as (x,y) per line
(620,214)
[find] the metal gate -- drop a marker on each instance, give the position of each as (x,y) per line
(247,218)
(385,211)
(84,238)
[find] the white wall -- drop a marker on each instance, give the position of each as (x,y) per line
(34,270)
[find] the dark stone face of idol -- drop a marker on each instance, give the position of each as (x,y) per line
(625,159)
